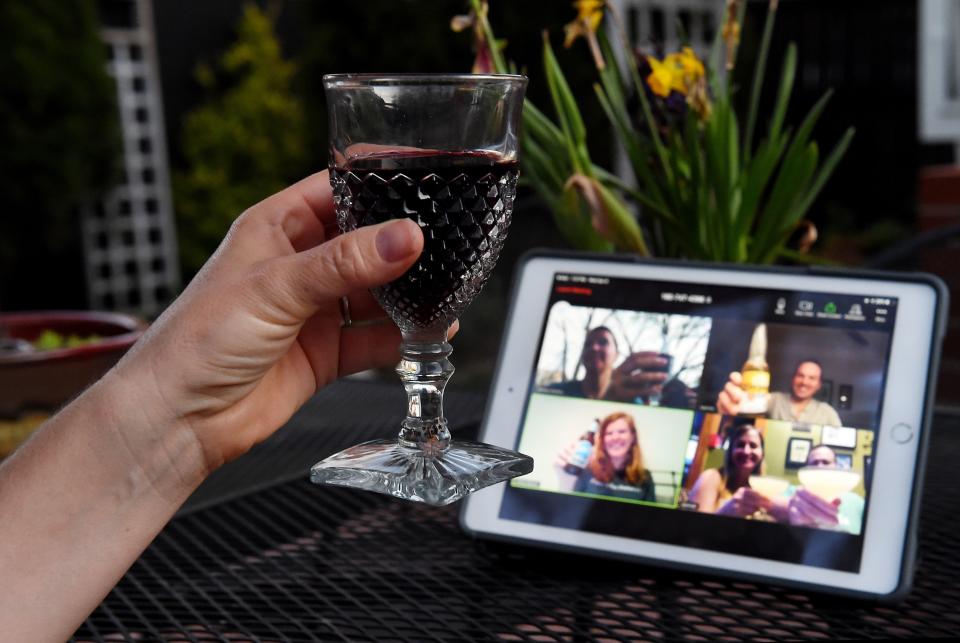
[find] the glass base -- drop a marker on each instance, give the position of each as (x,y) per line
(386,467)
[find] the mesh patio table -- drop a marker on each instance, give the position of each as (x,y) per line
(260,554)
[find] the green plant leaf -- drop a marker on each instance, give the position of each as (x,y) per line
(806,128)
(573,220)
(718,177)
(571,121)
(564,102)
(783,93)
(829,164)
(623,225)
(546,166)
(541,127)
(780,214)
(756,177)
(610,75)
(650,121)
(767,155)
(635,153)
(758,74)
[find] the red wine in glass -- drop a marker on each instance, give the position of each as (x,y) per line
(462,201)
(441,150)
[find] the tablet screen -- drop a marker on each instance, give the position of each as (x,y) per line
(726,418)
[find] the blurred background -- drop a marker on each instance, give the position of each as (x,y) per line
(132,132)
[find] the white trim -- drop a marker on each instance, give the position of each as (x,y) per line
(939,41)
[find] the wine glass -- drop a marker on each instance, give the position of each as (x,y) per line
(440,149)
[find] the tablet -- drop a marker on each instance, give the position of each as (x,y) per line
(768,424)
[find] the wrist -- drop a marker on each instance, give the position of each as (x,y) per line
(139,433)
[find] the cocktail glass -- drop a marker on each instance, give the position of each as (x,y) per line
(440,150)
(829,483)
(770,487)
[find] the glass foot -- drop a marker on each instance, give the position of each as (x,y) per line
(386,467)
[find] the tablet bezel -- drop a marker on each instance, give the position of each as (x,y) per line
(889,535)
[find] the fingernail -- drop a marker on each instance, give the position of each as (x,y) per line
(395,241)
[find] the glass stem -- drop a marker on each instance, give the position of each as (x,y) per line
(425,371)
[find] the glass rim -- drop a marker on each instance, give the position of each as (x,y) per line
(400,79)
(841,469)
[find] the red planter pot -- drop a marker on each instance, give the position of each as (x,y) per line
(34,384)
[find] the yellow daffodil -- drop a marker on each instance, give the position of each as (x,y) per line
(589,17)
(662,79)
(684,73)
(677,72)
(689,64)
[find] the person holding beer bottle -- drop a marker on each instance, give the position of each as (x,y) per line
(615,467)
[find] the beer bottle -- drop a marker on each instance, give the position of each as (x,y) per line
(581,453)
(756,375)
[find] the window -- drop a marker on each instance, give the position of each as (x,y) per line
(939,71)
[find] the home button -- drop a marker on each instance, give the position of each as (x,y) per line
(901,433)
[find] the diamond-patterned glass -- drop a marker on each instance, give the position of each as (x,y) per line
(464,222)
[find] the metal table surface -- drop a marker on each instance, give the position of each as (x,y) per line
(260,554)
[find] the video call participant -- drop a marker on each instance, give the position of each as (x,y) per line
(615,467)
(726,491)
(803,508)
(798,405)
(639,376)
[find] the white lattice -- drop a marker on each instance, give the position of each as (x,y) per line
(129,237)
(652,24)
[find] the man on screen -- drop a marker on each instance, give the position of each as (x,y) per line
(801,507)
(798,405)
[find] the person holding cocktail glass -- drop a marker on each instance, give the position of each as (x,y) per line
(726,491)
(805,507)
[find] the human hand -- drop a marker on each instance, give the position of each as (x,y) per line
(640,375)
(728,402)
(678,395)
(565,455)
(806,509)
(258,331)
(744,502)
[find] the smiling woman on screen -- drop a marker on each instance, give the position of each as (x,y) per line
(616,467)
(727,491)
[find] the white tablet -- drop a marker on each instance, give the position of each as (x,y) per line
(762,423)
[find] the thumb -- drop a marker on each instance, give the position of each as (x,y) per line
(364,258)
